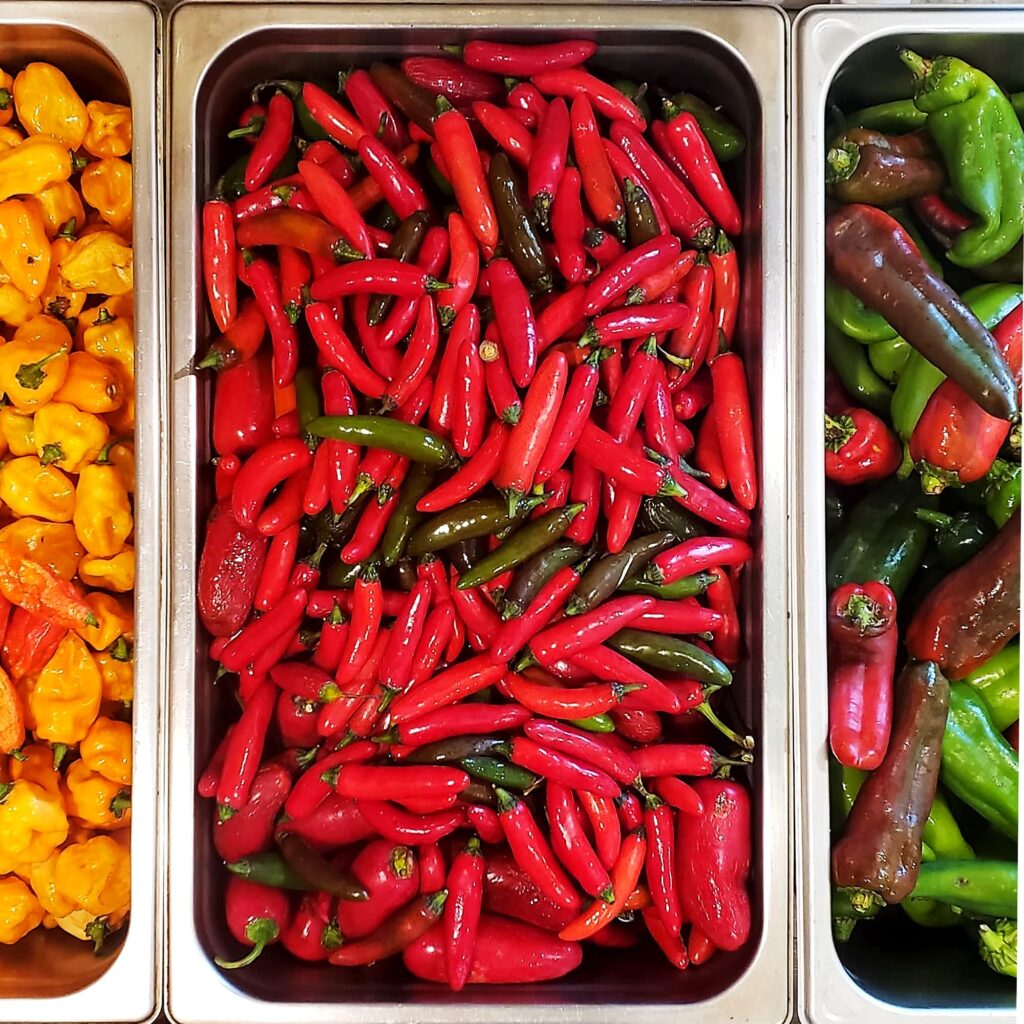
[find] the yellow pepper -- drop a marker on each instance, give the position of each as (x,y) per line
(122,455)
(116,671)
(32,822)
(107,750)
(61,208)
(117,573)
(95,800)
(20,910)
(64,699)
(122,419)
(103,510)
(107,187)
(91,384)
(106,311)
(67,437)
(36,765)
(34,364)
(54,545)
(96,876)
(10,137)
(107,334)
(32,165)
(58,301)
(110,129)
(114,618)
(42,878)
(47,104)
(6,97)
(24,247)
(17,429)
(32,489)
(99,263)
(16,307)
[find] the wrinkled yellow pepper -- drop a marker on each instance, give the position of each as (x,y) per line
(57,300)
(116,671)
(24,247)
(122,455)
(103,510)
(96,876)
(6,97)
(99,263)
(47,104)
(122,419)
(66,437)
(32,822)
(64,699)
(91,384)
(34,364)
(107,187)
(54,545)
(110,129)
(114,618)
(107,750)
(20,910)
(95,800)
(10,137)
(32,165)
(32,489)
(17,428)
(117,573)
(36,765)
(44,885)
(15,307)
(61,208)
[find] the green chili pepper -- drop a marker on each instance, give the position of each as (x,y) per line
(531,576)
(595,723)
(978,765)
(975,127)
(404,245)
(958,537)
(997,945)
(986,887)
(657,514)
(931,913)
(518,234)
(478,518)
(883,540)
(850,362)
(888,358)
(688,586)
(523,544)
(406,439)
(231,184)
(269,868)
(726,140)
(405,518)
(942,832)
(636,92)
(998,684)
(672,654)
(307,398)
(1002,493)
(895,116)
(500,773)
(313,867)
(607,574)
(848,314)
(641,221)
(342,576)
(844,784)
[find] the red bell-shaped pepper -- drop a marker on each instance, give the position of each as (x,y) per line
(859,447)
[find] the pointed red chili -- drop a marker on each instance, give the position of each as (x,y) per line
(599,184)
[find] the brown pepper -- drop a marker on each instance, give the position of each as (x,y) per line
(865,166)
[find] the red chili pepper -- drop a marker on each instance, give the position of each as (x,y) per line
(374,469)
(286,508)
(243,409)
(333,638)
(305,680)
(632,267)
(599,184)
(374,110)
(570,842)
(272,143)
(678,794)
(452,79)
(707,457)
(862,659)
(432,256)
(398,186)
(714,862)
(254,638)
(659,418)
(241,341)
(256,916)
(405,827)
(596,750)
(294,271)
(567,226)
(250,122)
(938,215)
(646,690)
(394,935)
(585,491)
(501,389)
(454,684)
(418,357)
(462,912)
(486,823)
(630,397)
(313,932)
(470,477)
(682,759)
(437,634)
(379,276)
(547,163)
(336,206)
(549,602)
(606,99)
(559,317)
(659,283)
(249,829)
(336,822)
(469,415)
(466,324)
(339,352)
(264,284)
(372,782)
(327,156)
(571,418)
(659,823)
(245,751)
(559,767)
(274,463)
(219,257)
(332,117)
(566,703)
(433,869)
(477,613)
(365,625)
(463,269)
(526,102)
(461,720)
(507,131)
(631,814)
(515,320)
(509,891)
(725,265)
(703,502)
(683,212)
(397,666)
(637,725)
(462,157)
(602,245)
(275,196)
(696,555)
(618,462)
(510,60)
(581,632)
(670,944)
(859,447)
(735,427)
(366,194)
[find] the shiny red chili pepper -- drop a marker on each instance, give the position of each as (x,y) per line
(659,418)
(373,782)
(526,102)
(735,427)
(937,214)
(646,690)
(570,843)
(559,767)
(618,462)
(224,474)
(324,154)
(336,715)
(286,507)
(250,122)
(678,794)
(506,130)
(469,415)
(272,143)
(454,684)
(274,196)
(431,258)
(245,751)
(486,823)
(580,632)
(660,866)
(418,357)
(379,276)
(317,782)
(514,633)
(332,117)
(398,186)
(219,256)
(679,617)
(631,395)
(339,352)
(405,636)
(375,517)
(333,638)
(860,447)
(862,658)
(593,748)
(248,830)
(313,932)
(274,463)
(394,935)
(571,417)
(256,916)
(240,342)
(510,60)
(402,826)
(612,371)
(586,491)
(432,867)
(501,389)
(294,270)
(631,812)
(602,245)
(374,110)
(437,634)
(336,822)
(477,613)
(547,163)
(452,79)
(658,284)
(336,206)
(462,912)
(599,184)
(280,621)
(461,720)
(699,499)
(695,555)
(559,317)
(463,269)
(364,627)
(562,702)
(515,320)
(605,98)
(725,265)
(281,557)
(632,267)
(707,456)
(265,288)
(462,157)
(374,469)
(567,226)
(681,759)
(470,477)
(243,410)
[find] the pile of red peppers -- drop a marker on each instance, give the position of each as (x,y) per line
(474,571)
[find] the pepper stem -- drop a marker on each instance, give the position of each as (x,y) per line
(744,742)
(839,431)
(864,613)
(841,161)
(32,375)
(919,66)
(261,931)
(935,480)
(934,517)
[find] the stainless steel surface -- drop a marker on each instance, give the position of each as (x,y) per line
(110,51)
(884,975)
(218,51)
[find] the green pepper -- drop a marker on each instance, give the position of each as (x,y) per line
(595,723)
(307,399)
(308,127)
(523,544)
(850,362)
(671,654)
(985,887)
(888,358)
(975,127)
(883,540)
(848,314)
(844,784)
(415,443)
(1017,99)
(518,234)
(342,575)
(930,913)
(724,138)
(499,772)
(847,910)
(269,868)
(959,537)
(688,586)
(998,684)
(534,573)
(405,518)
(636,92)
(657,514)
(1002,495)
(231,184)
(942,832)
(641,220)
(997,945)
(480,517)
(607,574)
(894,116)
(978,765)
(404,245)
(835,508)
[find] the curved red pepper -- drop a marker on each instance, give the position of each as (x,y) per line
(272,143)
(471,477)
(859,447)
(243,408)
(570,843)
(335,120)
(390,874)
(696,555)
(263,281)
(219,256)
(339,352)
(336,206)
(452,685)
(405,827)
(507,131)
(245,750)
(398,186)
(229,572)
(250,829)
(256,916)
(313,932)
(678,794)
(568,225)
(599,184)
(462,912)
(374,110)
(472,192)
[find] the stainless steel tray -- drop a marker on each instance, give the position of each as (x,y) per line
(110,50)
(218,51)
(848,57)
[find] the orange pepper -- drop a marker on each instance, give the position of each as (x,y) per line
(40,590)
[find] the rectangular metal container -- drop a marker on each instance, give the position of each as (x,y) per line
(218,52)
(110,51)
(883,975)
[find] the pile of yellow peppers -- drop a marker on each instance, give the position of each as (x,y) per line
(67,478)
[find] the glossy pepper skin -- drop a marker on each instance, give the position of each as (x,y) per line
(859,447)
(998,683)
(977,131)
(879,852)
(924,310)
(975,611)
(865,166)
(862,657)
